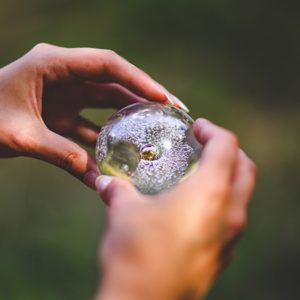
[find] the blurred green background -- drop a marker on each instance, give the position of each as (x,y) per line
(234,62)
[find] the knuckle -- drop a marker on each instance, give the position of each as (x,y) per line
(110,54)
(17,143)
(41,46)
(67,161)
(36,56)
(231,138)
(252,168)
(238,224)
(42,53)
(220,192)
(22,143)
(110,60)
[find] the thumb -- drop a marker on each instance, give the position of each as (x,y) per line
(116,192)
(65,154)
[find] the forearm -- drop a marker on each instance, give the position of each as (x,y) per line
(152,275)
(152,282)
(133,282)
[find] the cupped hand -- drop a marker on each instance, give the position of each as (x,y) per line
(42,94)
(172,246)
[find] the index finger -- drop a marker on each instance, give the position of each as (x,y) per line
(100,65)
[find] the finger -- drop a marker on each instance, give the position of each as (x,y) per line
(65,154)
(116,192)
(243,186)
(244,180)
(109,95)
(219,155)
(213,178)
(85,131)
(101,66)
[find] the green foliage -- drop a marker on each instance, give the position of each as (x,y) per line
(234,62)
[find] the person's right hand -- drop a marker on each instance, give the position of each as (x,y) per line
(172,246)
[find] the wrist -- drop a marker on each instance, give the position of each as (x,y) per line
(131,281)
(152,281)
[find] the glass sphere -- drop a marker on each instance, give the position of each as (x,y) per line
(150,144)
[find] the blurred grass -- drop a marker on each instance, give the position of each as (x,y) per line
(236,63)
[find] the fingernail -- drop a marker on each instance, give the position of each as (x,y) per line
(89,179)
(102,182)
(174,101)
(169,98)
(168,95)
(180,104)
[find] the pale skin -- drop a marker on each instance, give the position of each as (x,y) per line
(43,92)
(170,246)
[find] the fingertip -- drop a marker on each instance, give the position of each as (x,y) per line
(200,123)
(115,192)
(180,104)
(90,178)
(102,182)
(199,126)
(159,94)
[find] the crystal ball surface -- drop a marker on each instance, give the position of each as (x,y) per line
(150,144)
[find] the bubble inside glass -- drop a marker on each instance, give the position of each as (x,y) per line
(150,144)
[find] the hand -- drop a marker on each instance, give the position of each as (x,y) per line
(173,245)
(42,94)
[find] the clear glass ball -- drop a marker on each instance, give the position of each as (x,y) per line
(150,144)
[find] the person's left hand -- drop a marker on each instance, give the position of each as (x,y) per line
(42,94)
